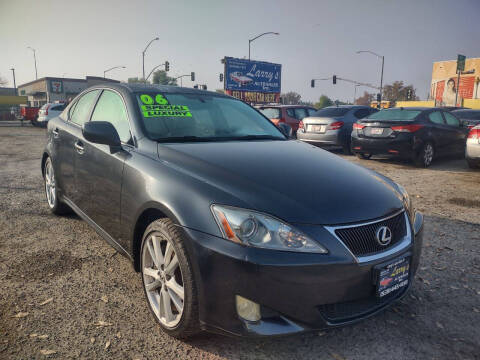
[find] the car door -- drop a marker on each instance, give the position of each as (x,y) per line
(438,132)
(69,133)
(457,133)
(99,171)
(290,118)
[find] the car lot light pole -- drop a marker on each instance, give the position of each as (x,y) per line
(355,93)
(143,57)
(35,60)
(383,60)
(112,68)
(256,37)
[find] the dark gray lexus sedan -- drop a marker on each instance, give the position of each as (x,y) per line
(235,228)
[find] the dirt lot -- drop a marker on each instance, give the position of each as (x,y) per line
(64,291)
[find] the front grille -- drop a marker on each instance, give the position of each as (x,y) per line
(352,310)
(361,240)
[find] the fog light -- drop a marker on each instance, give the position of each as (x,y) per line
(247,309)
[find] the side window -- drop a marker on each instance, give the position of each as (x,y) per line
(110,107)
(361,113)
(311,111)
(300,113)
(436,117)
(290,113)
(451,120)
(82,108)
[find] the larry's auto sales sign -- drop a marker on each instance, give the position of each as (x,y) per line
(253,76)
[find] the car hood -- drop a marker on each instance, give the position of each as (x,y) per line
(291,180)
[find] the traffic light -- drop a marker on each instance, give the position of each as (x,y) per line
(167,66)
(312,83)
(221,77)
(334,79)
(192,75)
(409,94)
(379,98)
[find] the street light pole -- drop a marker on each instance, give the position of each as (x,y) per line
(256,37)
(35,60)
(143,57)
(14,82)
(115,67)
(355,93)
(381,76)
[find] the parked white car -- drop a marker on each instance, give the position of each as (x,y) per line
(472,152)
(49,111)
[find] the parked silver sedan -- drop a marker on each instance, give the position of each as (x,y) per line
(332,126)
(472,151)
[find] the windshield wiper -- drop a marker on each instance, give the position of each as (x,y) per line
(189,138)
(255,137)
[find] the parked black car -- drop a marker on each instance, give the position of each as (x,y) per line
(419,134)
(469,117)
(235,228)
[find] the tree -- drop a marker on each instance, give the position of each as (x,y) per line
(366,99)
(161,77)
(134,80)
(3,81)
(324,101)
(291,98)
(398,92)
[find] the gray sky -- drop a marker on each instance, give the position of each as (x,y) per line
(317,38)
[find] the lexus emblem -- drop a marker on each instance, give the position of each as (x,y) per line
(383,235)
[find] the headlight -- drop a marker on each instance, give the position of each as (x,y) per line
(407,202)
(260,230)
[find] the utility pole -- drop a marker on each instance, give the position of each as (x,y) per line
(35,60)
(143,58)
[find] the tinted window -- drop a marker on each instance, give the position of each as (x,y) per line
(331,112)
(361,113)
(83,107)
(291,113)
(451,120)
(110,107)
(203,117)
(58,107)
(271,113)
(311,111)
(436,117)
(300,113)
(395,114)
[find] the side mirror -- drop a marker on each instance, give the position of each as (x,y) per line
(285,129)
(102,132)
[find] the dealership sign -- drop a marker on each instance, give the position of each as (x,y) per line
(253,81)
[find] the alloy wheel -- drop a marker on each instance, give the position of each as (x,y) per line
(50,183)
(428,154)
(163,281)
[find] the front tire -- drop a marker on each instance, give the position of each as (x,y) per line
(425,156)
(168,280)
(51,191)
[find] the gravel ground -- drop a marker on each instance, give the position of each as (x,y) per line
(65,294)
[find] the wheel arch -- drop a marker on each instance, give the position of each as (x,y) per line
(44,159)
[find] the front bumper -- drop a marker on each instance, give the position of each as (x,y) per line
(297,292)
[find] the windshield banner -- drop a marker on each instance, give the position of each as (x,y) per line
(254,76)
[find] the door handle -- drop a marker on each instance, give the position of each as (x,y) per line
(79,147)
(55,133)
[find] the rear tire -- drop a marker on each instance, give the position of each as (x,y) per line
(167,276)
(425,156)
(472,164)
(363,156)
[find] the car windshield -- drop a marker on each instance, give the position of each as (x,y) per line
(174,117)
(394,114)
(271,113)
(331,112)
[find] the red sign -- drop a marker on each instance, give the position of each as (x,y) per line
(254,96)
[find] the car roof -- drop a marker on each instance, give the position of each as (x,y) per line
(139,87)
(285,106)
(466,111)
(346,107)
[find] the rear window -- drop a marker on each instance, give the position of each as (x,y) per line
(469,115)
(271,113)
(331,112)
(58,107)
(395,114)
